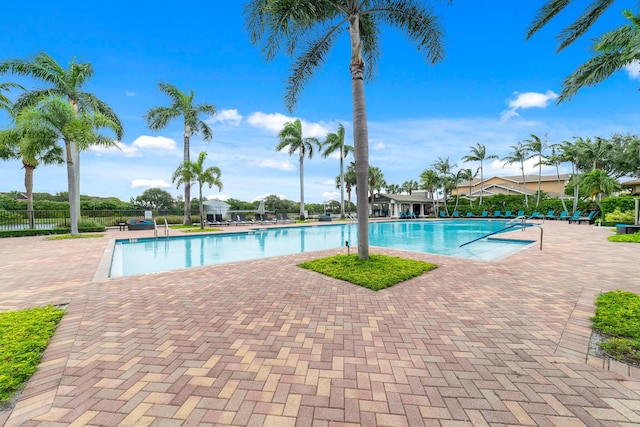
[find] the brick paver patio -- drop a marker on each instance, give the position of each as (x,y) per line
(267,343)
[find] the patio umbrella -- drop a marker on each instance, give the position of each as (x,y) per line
(261,208)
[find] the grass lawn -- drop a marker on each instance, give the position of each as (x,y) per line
(618,318)
(73,236)
(23,336)
(194,228)
(378,272)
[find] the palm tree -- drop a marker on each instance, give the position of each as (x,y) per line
(65,83)
(33,146)
(479,154)
(393,189)
(429,181)
(291,138)
(410,185)
(309,30)
(376,182)
(195,172)
(519,154)
(468,175)
(182,106)
(571,151)
(349,182)
(54,119)
(335,142)
(556,159)
(535,146)
(597,182)
(443,168)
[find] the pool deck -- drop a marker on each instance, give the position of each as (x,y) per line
(266,343)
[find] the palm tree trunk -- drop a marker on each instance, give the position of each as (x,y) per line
(481,182)
(539,181)
(201,206)
(341,185)
(187,185)
(561,187)
(28,186)
(360,136)
(302,216)
(524,185)
(74,198)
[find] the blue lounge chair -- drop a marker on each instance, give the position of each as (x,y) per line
(497,214)
(443,214)
(574,217)
(563,215)
(484,214)
(536,215)
(520,213)
(589,219)
(508,214)
(469,214)
(550,214)
(216,220)
(456,214)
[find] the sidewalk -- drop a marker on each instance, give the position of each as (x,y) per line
(266,343)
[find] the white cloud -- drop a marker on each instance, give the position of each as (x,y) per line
(275,122)
(379,146)
(527,100)
(155,142)
(223,197)
(331,195)
(150,183)
(231,117)
(633,70)
(129,93)
(265,195)
(329,182)
(274,164)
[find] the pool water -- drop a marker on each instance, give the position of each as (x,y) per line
(149,255)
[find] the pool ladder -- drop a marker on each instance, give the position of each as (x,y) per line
(155,228)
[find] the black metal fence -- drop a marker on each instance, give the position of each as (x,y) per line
(50,219)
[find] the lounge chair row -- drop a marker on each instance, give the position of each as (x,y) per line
(239,219)
(564,215)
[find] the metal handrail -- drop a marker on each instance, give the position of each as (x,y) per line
(166,228)
(155,229)
(523,224)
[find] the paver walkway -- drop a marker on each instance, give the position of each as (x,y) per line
(267,343)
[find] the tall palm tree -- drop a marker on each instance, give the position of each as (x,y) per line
(443,169)
(33,146)
(536,146)
(479,154)
(54,119)
(335,142)
(65,83)
(182,106)
(519,154)
(571,151)
(309,29)
(291,138)
(193,172)
(410,185)
(597,183)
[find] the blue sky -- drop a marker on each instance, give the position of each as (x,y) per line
(493,87)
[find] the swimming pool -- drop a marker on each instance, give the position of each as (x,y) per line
(150,255)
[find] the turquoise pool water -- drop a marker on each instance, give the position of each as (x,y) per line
(150,255)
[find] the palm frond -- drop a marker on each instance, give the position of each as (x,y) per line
(158,117)
(305,65)
(547,12)
(90,103)
(370,38)
(32,97)
(419,24)
(592,72)
(580,26)
(41,67)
